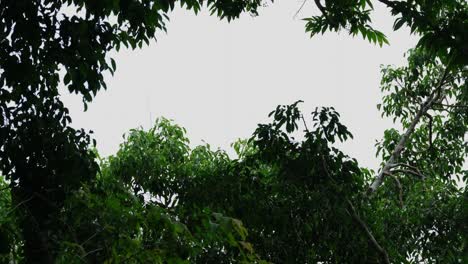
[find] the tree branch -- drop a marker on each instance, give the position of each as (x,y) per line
(305,124)
(430,130)
(320,6)
(358,219)
(368,232)
(300,8)
(92,251)
(19,204)
(386,2)
(452,106)
(419,175)
(413,169)
(91,237)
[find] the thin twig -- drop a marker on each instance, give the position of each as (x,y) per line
(305,124)
(430,130)
(92,251)
(91,237)
(19,204)
(300,8)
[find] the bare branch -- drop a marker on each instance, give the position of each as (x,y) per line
(300,8)
(91,237)
(305,124)
(419,175)
(92,251)
(413,169)
(19,204)
(403,165)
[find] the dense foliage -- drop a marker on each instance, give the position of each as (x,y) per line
(440,23)
(290,197)
(44,158)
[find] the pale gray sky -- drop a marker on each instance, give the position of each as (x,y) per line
(219,79)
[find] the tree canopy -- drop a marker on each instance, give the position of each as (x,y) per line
(289,197)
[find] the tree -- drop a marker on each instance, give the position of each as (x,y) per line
(425,89)
(426,163)
(108,223)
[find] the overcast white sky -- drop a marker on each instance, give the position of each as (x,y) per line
(219,79)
